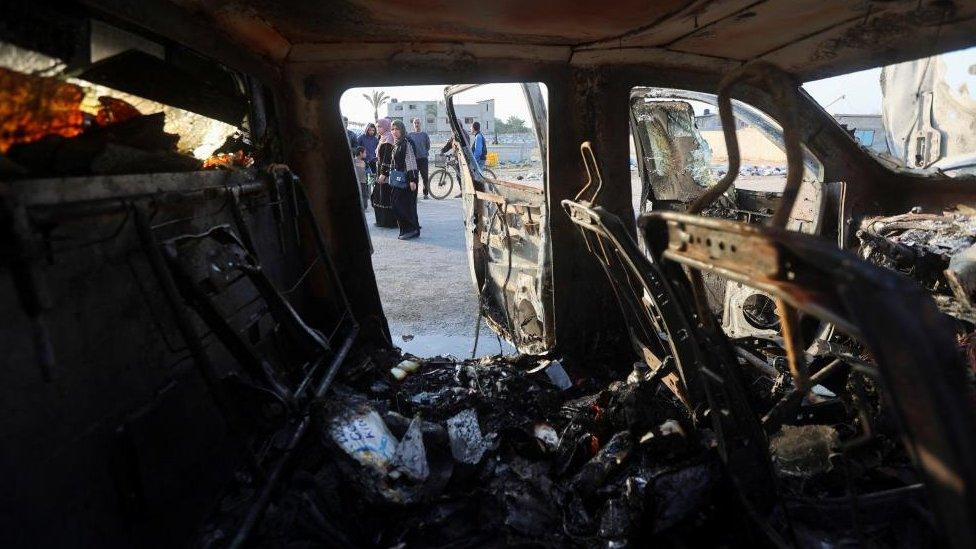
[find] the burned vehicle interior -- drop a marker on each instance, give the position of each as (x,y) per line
(196,353)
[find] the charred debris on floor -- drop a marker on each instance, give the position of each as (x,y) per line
(938,251)
(493,452)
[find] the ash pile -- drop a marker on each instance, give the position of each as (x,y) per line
(496,452)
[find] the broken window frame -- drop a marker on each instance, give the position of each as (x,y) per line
(745,112)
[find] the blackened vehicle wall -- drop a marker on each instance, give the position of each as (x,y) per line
(124,444)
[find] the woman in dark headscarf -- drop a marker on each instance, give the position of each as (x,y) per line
(369,141)
(401,175)
(382,196)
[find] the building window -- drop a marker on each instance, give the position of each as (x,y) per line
(468,119)
(864,137)
(431,119)
(413,107)
(398,108)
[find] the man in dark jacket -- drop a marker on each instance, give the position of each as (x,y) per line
(421,142)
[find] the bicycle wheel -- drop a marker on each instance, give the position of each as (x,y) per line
(441,183)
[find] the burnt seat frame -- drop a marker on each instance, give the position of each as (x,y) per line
(657,304)
(313,351)
(897,321)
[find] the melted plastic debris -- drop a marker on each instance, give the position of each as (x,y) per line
(411,455)
(364,436)
(467,443)
(924,246)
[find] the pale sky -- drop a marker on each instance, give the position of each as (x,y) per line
(854,93)
(861,90)
(509,99)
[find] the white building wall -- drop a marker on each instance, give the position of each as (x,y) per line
(483,112)
(405,111)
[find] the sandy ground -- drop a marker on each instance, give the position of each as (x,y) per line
(425,283)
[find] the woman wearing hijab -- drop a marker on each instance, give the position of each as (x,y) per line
(382,198)
(369,141)
(401,175)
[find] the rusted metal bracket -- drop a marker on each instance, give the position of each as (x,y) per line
(589,159)
(742,253)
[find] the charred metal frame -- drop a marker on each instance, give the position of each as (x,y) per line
(313,384)
(588,85)
(895,319)
(588,82)
(884,311)
(64,200)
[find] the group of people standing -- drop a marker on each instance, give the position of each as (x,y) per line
(399,161)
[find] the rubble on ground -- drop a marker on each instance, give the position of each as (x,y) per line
(485,452)
(751,170)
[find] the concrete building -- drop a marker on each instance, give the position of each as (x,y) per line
(868,130)
(433,114)
(710,121)
(433,120)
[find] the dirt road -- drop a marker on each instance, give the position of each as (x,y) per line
(426,287)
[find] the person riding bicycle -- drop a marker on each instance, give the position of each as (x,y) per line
(450,157)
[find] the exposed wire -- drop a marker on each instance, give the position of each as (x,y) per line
(303,276)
